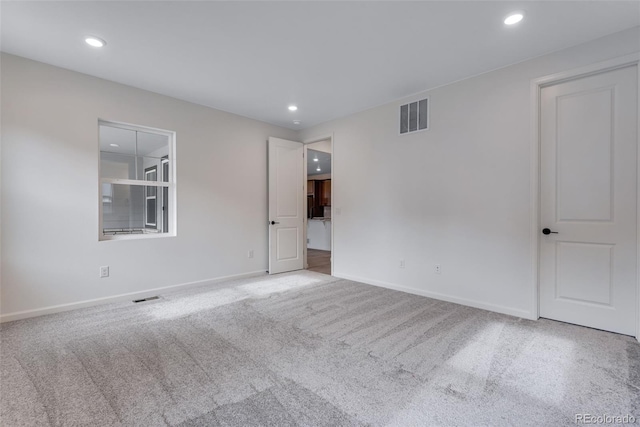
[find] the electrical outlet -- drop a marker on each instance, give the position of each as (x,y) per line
(104,271)
(250,254)
(401,263)
(438,269)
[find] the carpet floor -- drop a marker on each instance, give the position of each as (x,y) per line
(306,349)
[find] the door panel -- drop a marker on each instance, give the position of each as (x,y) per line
(584,147)
(287,205)
(588,196)
(288,247)
(585,272)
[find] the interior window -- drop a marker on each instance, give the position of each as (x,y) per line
(136,181)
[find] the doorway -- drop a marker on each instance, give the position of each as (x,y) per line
(588,246)
(319,190)
(300,227)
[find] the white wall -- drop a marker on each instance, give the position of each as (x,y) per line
(324,146)
(319,234)
(51,253)
(457,195)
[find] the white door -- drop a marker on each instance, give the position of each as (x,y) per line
(588,197)
(287,205)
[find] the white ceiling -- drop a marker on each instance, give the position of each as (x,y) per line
(317,159)
(330,58)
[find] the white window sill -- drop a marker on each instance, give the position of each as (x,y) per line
(135,236)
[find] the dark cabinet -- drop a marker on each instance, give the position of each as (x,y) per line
(325,193)
(318,196)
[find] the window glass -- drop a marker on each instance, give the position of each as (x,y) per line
(404,118)
(413,116)
(125,154)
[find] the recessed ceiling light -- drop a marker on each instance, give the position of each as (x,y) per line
(95,41)
(315,160)
(114,145)
(292,108)
(319,169)
(513,18)
(296,122)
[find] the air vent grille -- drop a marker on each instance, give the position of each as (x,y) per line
(414,116)
(146,299)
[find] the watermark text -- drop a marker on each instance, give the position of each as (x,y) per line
(604,419)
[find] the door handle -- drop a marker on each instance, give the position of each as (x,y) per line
(274,222)
(546,231)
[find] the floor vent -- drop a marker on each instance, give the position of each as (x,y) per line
(414,116)
(146,299)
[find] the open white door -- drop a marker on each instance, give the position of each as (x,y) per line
(588,201)
(287,204)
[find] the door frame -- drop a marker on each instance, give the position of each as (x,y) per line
(535,192)
(306,143)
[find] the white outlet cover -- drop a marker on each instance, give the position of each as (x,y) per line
(104,271)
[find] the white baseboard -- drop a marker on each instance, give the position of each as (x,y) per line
(18,315)
(443,297)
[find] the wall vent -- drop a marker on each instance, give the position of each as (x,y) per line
(414,116)
(146,299)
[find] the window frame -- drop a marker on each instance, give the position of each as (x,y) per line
(165,193)
(147,197)
(170,184)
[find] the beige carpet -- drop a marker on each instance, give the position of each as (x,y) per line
(308,349)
